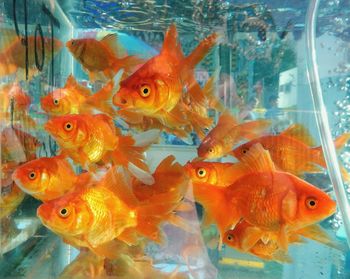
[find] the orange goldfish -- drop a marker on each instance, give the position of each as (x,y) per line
(157,89)
(74,98)
(105,56)
(13,92)
(107,210)
(11,197)
(271,200)
(227,133)
(90,139)
(13,56)
(48,178)
(291,150)
(244,235)
(17,146)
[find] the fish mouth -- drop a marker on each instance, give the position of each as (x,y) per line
(120,101)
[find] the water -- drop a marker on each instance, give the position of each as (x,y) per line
(262,53)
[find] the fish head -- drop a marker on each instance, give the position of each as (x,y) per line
(69,130)
(241,150)
(313,205)
(143,95)
(231,239)
(67,215)
(202,172)
(56,103)
(34,176)
(77,47)
(209,150)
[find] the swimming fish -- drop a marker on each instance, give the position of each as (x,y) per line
(106,210)
(292,150)
(17,145)
(14,106)
(228,132)
(13,56)
(90,139)
(11,197)
(157,88)
(48,178)
(104,56)
(244,235)
(74,98)
(271,200)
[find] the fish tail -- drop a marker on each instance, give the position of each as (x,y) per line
(128,63)
(214,202)
(130,154)
(318,158)
(199,123)
(201,50)
(102,100)
(209,92)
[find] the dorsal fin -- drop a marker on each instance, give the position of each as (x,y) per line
(299,132)
(258,159)
(72,83)
(227,120)
(111,41)
(171,45)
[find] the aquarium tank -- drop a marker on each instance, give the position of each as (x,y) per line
(175,139)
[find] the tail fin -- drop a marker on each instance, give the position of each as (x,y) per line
(102,100)
(209,92)
(199,123)
(214,202)
(318,158)
(128,63)
(129,154)
(132,158)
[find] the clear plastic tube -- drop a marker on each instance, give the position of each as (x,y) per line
(322,117)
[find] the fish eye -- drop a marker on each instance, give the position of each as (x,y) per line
(32,175)
(230,237)
(311,203)
(145,90)
(73,43)
(201,172)
(55,102)
(245,150)
(210,150)
(64,212)
(68,126)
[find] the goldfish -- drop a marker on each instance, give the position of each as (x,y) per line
(107,210)
(228,132)
(11,197)
(13,56)
(74,98)
(267,248)
(272,200)
(157,88)
(104,56)
(17,145)
(48,178)
(90,139)
(292,150)
(14,106)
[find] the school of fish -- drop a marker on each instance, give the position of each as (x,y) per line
(115,204)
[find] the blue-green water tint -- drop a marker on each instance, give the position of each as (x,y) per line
(261,54)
